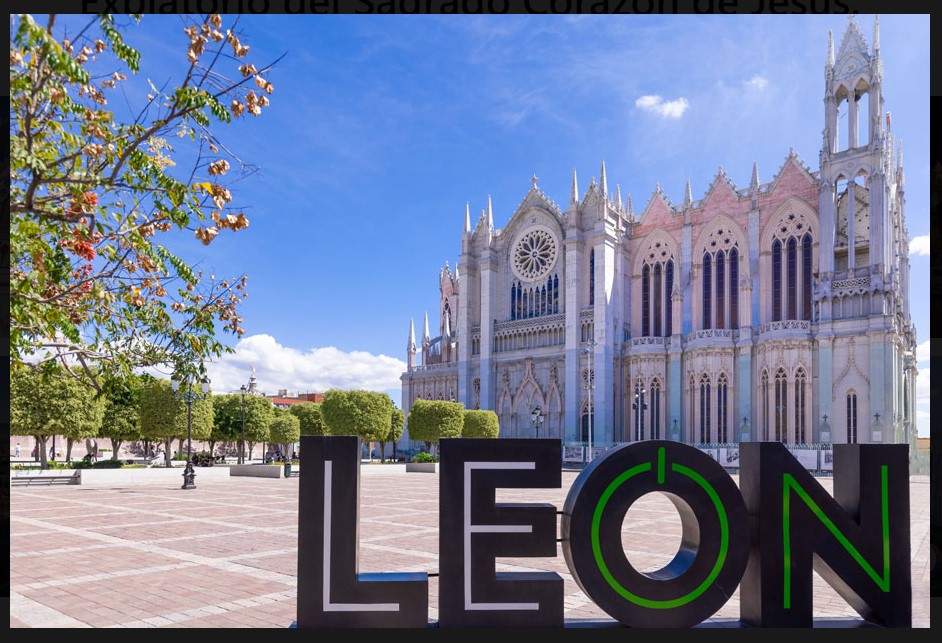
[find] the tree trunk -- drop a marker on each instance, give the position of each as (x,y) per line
(168,457)
(68,449)
(41,451)
(115,446)
(382,452)
(212,447)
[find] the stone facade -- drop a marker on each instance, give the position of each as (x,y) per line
(777,311)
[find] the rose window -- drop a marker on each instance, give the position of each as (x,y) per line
(534,254)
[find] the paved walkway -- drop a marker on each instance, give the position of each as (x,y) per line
(225,554)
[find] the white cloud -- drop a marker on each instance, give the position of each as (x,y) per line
(922,354)
(660,107)
(312,371)
(757,83)
(919,246)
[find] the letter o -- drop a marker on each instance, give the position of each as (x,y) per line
(714,546)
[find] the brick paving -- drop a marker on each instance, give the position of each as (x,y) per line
(225,554)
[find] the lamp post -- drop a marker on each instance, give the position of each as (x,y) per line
(243,389)
(639,405)
(537,417)
(589,387)
(189,396)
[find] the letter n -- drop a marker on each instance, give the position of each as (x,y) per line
(331,592)
(857,540)
(476,530)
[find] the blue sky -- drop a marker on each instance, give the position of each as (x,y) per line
(381,128)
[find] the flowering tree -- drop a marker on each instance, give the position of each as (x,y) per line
(92,286)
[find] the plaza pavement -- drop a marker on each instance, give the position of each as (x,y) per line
(224,555)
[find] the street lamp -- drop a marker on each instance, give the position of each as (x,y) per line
(639,405)
(537,417)
(189,397)
(589,387)
(243,389)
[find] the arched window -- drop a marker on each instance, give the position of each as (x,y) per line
(655,410)
(777,280)
(592,277)
(555,293)
(656,297)
(645,300)
(792,267)
(852,417)
(720,289)
(800,428)
(707,290)
(806,277)
(668,292)
(792,262)
(639,405)
(722,411)
(704,409)
(781,408)
(734,288)
(765,406)
(689,427)
(513,300)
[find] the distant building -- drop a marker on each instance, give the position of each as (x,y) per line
(282,400)
(776,311)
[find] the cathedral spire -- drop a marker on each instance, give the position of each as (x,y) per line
(467,218)
(618,205)
(574,192)
(410,346)
(688,196)
(628,205)
(900,177)
(425,335)
(603,182)
(754,182)
(876,36)
(830,50)
(446,334)
(490,213)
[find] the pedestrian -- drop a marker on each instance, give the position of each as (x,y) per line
(17,450)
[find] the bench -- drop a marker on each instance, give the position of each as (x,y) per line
(26,478)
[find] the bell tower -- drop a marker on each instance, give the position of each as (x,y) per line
(857,173)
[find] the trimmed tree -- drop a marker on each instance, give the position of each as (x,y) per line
(164,417)
(480,423)
(42,405)
(285,429)
(432,420)
(366,414)
(122,419)
(311,418)
(397,421)
(227,419)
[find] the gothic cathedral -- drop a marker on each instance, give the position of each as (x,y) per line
(779,311)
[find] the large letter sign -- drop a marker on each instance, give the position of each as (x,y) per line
(857,540)
(714,542)
(331,592)
(765,536)
(475,530)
